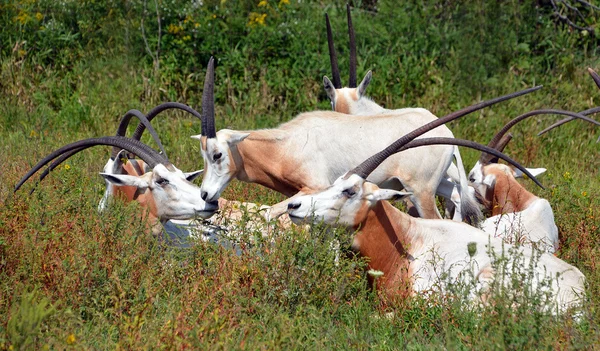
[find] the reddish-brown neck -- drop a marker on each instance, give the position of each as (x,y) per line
(383,238)
(130,193)
(509,196)
(265,162)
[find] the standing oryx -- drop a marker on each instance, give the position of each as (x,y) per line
(424,255)
(352,100)
(312,150)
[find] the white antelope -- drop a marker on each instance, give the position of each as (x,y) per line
(312,150)
(352,100)
(426,255)
(516,214)
(165,191)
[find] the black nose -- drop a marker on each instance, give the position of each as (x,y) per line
(293,206)
(204,195)
(214,203)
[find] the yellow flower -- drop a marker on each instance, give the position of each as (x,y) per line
(39,16)
(33,134)
(284,2)
(584,193)
(67,167)
(196,25)
(257,18)
(174,29)
(22,18)
(187,37)
(71,339)
(262,3)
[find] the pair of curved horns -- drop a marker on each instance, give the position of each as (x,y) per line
(143,151)
(368,166)
(337,81)
(122,129)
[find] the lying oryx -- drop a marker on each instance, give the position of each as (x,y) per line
(423,254)
(516,214)
(312,150)
(165,191)
(352,100)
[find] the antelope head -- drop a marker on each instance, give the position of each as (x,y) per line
(218,149)
(345,99)
(165,191)
(346,202)
(495,185)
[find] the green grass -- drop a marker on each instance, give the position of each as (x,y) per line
(71,278)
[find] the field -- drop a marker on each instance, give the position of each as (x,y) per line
(73,279)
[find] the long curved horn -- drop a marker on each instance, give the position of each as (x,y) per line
(208,101)
(487,158)
(472,145)
(335,71)
(587,112)
(160,108)
(368,166)
(143,151)
(595,76)
(524,116)
(352,83)
(122,129)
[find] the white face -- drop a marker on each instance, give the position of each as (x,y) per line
(170,192)
(484,176)
(108,191)
(176,197)
(218,167)
(344,203)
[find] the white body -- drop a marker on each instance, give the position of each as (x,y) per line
(354,102)
(433,254)
(533,226)
(517,214)
(315,148)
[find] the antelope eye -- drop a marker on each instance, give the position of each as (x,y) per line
(162,181)
(349,192)
(217,156)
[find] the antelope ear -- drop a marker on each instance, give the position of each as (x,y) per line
(534,171)
(190,176)
(329,89)
(120,160)
(125,180)
(388,194)
(362,87)
(234,138)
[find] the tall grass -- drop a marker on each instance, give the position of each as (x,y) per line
(70,278)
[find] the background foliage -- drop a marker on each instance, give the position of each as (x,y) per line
(70,69)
